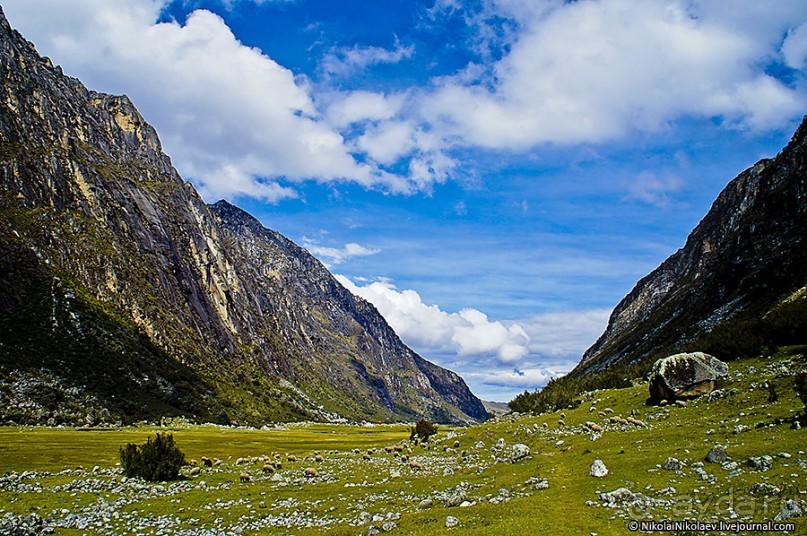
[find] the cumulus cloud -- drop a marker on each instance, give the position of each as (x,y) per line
(498,359)
(588,71)
(330,255)
(428,328)
(527,379)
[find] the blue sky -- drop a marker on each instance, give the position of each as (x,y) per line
(494,175)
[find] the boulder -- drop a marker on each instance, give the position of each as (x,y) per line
(717,454)
(598,469)
(682,376)
(789,508)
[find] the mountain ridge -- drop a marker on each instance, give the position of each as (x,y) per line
(192,309)
(743,259)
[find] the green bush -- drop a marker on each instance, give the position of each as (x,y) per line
(156,460)
(423,430)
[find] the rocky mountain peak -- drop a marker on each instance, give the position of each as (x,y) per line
(120,281)
(744,260)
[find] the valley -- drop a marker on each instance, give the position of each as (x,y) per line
(478,477)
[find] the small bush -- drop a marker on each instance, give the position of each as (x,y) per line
(157,460)
(773,396)
(800,387)
(423,430)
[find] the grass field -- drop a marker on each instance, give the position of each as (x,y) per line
(351,494)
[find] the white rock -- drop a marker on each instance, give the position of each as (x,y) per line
(598,469)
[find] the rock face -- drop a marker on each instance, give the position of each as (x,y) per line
(119,281)
(683,376)
(745,259)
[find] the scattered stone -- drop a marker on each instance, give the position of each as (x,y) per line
(537,483)
(717,454)
(672,464)
(790,508)
(426,503)
(761,488)
(598,469)
(760,463)
(518,452)
(452,521)
(686,375)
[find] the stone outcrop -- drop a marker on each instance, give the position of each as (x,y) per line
(683,376)
(117,278)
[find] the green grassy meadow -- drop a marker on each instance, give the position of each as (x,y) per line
(352,494)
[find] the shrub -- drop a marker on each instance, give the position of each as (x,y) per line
(801,388)
(423,430)
(156,460)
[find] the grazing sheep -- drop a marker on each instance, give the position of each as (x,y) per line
(206,461)
(365,456)
(216,462)
(193,461)
(561,423)
(241,461)
(310,472)
(405,457)
(398,448)
(243,477)
(388,449)
(594,427)
(415,465)
(356,451)
(637,422)
(268,468)
(291,458)
(195,471)
(319,458)
(456,444)
(562,415)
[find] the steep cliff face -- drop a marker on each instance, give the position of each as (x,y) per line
(745,259)
(121,281)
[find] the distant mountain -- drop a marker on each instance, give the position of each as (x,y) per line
(124,296)
(739,284)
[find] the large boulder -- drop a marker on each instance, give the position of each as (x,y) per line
(682,376)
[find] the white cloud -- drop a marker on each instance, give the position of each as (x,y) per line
(361,106)
(654,188)
(330,256)
(794,49)
(389,141)
(527,379)
(342,62)
(595,71)
(429,329)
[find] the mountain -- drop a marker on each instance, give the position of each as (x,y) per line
(124,296)
(739,284)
